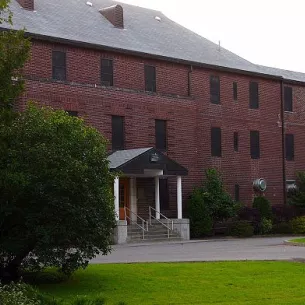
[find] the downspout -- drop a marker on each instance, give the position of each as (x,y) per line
(190,81)
(283,143)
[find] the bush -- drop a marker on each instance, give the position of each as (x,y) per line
(298,225)
(265,226)
(282,228)
(285,213)
(242,228)
(262,204)
(18,294)
(48,276)
(200,221)
(210,203)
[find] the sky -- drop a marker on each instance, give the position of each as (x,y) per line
(265,32)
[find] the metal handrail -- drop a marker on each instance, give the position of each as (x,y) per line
(169,221)
(144,226)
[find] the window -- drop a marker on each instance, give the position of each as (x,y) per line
(235,141)
(72,113)
(288,99)
(235,91)
(215,89)
(150,79)
(59,65)
(236,192)
(289,145)
(254,145)
(216,142)
(118,137)
(254,101)
(164,194)
(107,72)
(160,133)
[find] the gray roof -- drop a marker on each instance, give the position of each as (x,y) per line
(121,157)
(291,75)
(75,21)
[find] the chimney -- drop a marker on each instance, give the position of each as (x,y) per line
(115,15)
(27,4)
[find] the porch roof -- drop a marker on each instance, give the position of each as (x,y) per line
(136,161)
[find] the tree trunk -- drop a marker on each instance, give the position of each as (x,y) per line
(11,272)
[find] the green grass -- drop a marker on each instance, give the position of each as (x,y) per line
(278,283)
(298,240)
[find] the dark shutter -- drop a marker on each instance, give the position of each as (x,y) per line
(235,141)
(288,99)
(289,144)
(59,65)
(254,145)
(235,91)
(164,194)
(107,72)
(118,133)
(254,100)
(150,79)
(72,113)
(215,89)
(216,142)
(236,192)
(160,132)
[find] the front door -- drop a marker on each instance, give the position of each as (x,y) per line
(124,197)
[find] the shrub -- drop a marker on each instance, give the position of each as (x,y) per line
(262,204)
(18,294)
(210,203)
(299,198)
(298,225)
(242,228)
(265,226)
(282,228)
(284,213)
(48,276)
(200,219)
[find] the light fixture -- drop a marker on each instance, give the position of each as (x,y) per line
(154,158)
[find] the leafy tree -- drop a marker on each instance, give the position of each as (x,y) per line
(263,205)
(56,204)
(298,199)
(14,51)
(210,203)
(5,14)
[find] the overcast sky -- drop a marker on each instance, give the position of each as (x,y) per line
(266,32)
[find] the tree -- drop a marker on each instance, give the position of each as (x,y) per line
(298,196)
(56,204)
(14,51)
(5,14)
(210,203)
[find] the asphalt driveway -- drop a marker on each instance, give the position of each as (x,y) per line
(210,250)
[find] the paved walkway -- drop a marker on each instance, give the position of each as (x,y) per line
(212,250)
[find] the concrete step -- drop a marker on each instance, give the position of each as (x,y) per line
(157,239)
(156,233)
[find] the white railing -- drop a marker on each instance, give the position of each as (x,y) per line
(170,222)
(143,227)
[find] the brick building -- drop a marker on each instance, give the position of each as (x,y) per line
(146,82)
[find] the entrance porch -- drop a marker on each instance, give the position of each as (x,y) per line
(148,196)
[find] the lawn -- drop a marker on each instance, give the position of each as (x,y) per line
(237,283)
(298,240)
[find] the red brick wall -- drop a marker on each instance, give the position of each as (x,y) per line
(189,118)
(295,124)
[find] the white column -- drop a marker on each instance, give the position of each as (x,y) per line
(179,197)
(116,198)
(157,197)
(133,198)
